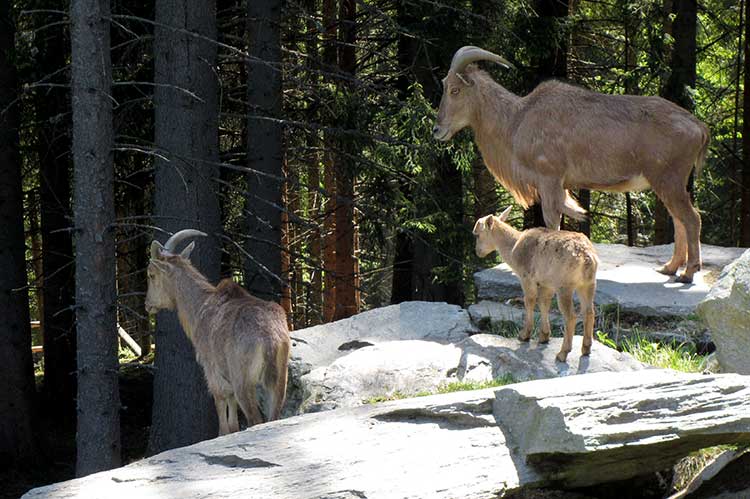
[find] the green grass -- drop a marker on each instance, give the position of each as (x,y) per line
(453,386)
(679,357)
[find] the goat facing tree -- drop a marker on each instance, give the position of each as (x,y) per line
(562,137)
(240,341)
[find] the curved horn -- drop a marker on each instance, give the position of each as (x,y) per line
(180,236)
(468,54)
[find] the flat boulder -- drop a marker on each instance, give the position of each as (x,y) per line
(616,426)
(445,446)
(726,312)
(627,277)
(319,346)
(408,368)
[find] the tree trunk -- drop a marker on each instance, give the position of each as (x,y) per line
(98,429)
(329,176)
(186,132)
(402,284)
(745,182)
(346,260)
(315,302)
(549,59)
(263,276)
(16,368)
(58,268)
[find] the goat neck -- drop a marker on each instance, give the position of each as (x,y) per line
(505,238)
(192,290)
(494,117)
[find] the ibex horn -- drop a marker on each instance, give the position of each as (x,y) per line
(180,236)
(468,54)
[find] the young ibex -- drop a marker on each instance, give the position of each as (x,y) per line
(562,136)
(546,261)
(239,340)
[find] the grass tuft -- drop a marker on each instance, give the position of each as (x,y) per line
(453,386)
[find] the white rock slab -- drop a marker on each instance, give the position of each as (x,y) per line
(319,346)
(576,432)
(446,446)
(726,311)
(411,367)
(627,276)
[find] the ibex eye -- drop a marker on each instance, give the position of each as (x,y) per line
(455,90)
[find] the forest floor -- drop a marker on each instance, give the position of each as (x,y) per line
(56,438)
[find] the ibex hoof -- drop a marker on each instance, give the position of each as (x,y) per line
(684,279)
(585,350)
(543,340)
(523,338)
(666,270)
(562,356)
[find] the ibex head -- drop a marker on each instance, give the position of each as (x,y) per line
(483,232)
(160,294)
(456,105)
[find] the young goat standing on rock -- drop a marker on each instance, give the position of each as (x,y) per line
(239,340)
(546,261)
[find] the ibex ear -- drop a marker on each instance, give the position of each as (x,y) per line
(160,265)
(156,250)
(504,214)
(188,249)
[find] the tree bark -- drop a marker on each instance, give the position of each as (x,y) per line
(347,278)
(186,133)
(98,428)
(58,267)
(745,182)
(16,368)
(263,276)
(329,177)
(549,59)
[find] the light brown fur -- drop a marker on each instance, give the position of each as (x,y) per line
(561,137)
(240,341)
(546,261)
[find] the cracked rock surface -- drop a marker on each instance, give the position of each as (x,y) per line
(618,425)
(445,446)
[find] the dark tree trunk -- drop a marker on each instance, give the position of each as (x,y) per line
(16,369)
(186,132)
(347,277)
(745,182)
(549,59)
(329,177)
(58,268)
(402,285)
(98,429)
(263,276)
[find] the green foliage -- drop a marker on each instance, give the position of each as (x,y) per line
(680,357)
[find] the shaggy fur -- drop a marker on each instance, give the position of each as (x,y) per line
(240,341)
(562,137)
(546,261)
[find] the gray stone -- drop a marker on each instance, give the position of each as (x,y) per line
(445,446)
(319,346)
(615,426)
(725,477)
(627,277)
(412,367)
(726,311)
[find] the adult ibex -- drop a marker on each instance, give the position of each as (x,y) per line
(239,340)
(561,136)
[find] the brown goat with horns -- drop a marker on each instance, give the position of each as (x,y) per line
(561,136)
(240,341)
